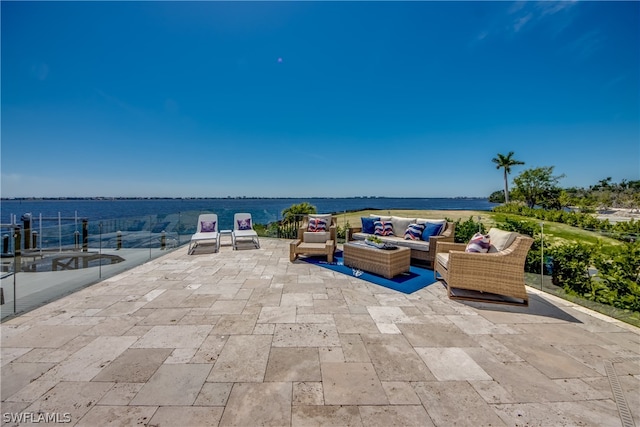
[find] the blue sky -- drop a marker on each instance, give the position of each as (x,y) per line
(306,99)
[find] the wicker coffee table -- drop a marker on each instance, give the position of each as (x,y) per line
(387,263)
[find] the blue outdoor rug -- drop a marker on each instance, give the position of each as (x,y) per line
(407,283)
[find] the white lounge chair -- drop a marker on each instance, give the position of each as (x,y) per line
(207,230)
(243,230)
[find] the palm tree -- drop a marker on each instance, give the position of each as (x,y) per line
(506,162)
(293,212)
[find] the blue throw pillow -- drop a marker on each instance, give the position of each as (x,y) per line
(431,229)
(367,224)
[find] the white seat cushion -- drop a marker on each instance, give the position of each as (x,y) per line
(316,237)
(442,258)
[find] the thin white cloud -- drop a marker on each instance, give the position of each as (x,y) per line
(587,44)
(520,22)
(553,7)
(516,7)
(525,16)
(118,102)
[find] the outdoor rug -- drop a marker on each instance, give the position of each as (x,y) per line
(407,283)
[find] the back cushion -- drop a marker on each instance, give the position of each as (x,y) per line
(382,218)
(500,239)
(400,224)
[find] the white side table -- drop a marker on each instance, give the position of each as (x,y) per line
(228,233)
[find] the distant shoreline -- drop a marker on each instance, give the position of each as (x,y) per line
(230,198)
(618,214)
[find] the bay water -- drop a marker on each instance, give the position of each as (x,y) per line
(263,211)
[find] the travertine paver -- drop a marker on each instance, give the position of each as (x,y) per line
(352,384)
(173,385)
(135,365)
(387,416)
(186,416)
(293,364)
(247,338)
(451,364)
(258,404)
(107,416)
(243,359)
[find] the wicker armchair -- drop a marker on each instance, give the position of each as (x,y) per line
(314,243)
(496,277)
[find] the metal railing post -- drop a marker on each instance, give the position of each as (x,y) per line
(85,235)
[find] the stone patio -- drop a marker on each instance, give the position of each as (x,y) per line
(246,338)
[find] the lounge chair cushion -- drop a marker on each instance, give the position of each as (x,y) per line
(431,229)
(381,218)
(479,243)
(367,224)
(316,236)
(207,226)
(383,228)
(500,239)
(414,232)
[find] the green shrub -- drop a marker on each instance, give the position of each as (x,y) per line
(619,277)
(465,230)
(341,231)
(571,264)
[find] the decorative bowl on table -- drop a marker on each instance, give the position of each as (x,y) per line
(375,244)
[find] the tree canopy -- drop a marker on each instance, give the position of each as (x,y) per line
(538,186)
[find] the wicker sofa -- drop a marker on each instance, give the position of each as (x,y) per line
(422,251)
(496,276)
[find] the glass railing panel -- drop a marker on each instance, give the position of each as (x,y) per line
(64,256)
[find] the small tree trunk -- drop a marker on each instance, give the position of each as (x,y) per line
(506,187)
